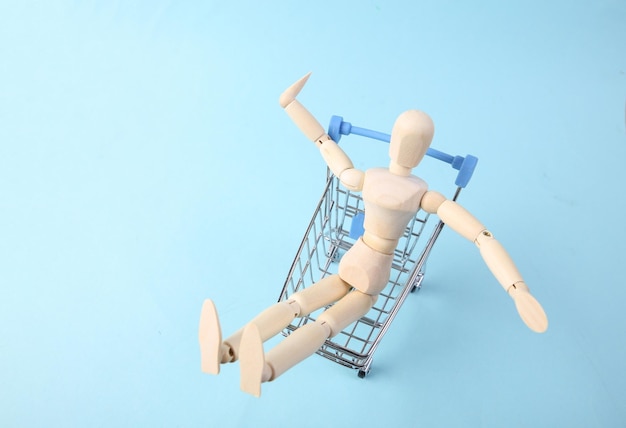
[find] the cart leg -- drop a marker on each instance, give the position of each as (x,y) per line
(256,368)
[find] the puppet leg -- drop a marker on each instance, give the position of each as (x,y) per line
(257,368)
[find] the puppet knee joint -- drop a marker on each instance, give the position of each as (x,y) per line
(295,306)
(326,324)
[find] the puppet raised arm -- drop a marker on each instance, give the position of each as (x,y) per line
(336,159)
(495,256)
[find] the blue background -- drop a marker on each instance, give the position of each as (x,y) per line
(145,165)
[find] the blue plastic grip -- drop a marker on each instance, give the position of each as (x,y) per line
(334,128)
(465,165)
(466,170)
(356,228)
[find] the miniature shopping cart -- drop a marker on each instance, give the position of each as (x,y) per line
(336,224)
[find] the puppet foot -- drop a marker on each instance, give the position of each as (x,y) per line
(252,361)
(210,338)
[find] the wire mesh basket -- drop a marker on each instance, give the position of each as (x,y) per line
(336,224)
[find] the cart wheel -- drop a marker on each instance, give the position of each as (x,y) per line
(362,374)
(415,288)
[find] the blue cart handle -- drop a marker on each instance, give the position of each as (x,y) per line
(465,165)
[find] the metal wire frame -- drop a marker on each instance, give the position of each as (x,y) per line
(326,239)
